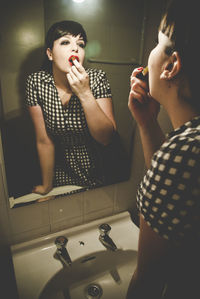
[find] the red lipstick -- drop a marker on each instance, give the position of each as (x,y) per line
(72,58)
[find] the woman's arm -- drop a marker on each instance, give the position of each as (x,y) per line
(99,113)
(100,118)
(152,264)
(45,148)
(145,110)
(152,138)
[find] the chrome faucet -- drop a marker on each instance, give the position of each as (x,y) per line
(61,252)
(104,237)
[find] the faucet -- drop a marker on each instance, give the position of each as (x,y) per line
(61,252)
(104,237)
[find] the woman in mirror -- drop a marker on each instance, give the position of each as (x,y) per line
(72,111)
(168,198)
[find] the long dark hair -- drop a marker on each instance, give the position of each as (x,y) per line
(58,30)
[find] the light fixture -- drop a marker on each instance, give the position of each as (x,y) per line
(78,1)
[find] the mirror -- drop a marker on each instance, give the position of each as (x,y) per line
(115,31)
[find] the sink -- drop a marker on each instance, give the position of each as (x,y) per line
(95,272)
(111,271)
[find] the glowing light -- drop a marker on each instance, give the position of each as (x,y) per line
(78,1)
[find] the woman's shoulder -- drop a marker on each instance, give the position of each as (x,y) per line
(39,76)
(181,145)
(178,153)
(184,139)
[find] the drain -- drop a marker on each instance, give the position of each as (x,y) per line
(93,291)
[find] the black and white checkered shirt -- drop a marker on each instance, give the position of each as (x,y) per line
(169,195)
(76,156)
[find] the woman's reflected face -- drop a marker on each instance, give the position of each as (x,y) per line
(63,49)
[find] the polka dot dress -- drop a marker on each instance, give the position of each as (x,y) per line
(76,154)
(169,196)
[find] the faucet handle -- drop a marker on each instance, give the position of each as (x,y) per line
(104,229)
(61,242)
(61,252)
(104,237)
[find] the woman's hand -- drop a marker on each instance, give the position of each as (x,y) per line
(79,80)
(142,106)
(145,111)
(41,189)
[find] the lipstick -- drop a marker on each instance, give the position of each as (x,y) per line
(72,58)
(143,75)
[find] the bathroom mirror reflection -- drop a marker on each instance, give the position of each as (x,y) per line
(115,31)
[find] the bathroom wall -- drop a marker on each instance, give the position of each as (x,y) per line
(31,221)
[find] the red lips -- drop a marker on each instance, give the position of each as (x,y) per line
(72,58)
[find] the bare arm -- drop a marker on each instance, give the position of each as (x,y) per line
(45,149)
(100,118)
(99,113)
(152,264)
(145,110)
(152,138)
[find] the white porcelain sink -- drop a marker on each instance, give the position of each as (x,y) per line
(95,270)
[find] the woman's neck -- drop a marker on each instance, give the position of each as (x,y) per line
(178,109)
(180,113)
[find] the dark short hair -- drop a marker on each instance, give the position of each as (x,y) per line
(181,24)
(62,28)
(58,30)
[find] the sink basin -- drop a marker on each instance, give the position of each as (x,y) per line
(95,272)
(110,271)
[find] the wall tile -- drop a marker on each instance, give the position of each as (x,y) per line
(64,224)
(125,197)
(31,234)
(98,214)
(66,207)
(28,218)
(98,199)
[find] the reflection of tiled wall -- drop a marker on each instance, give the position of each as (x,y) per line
(24,223)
